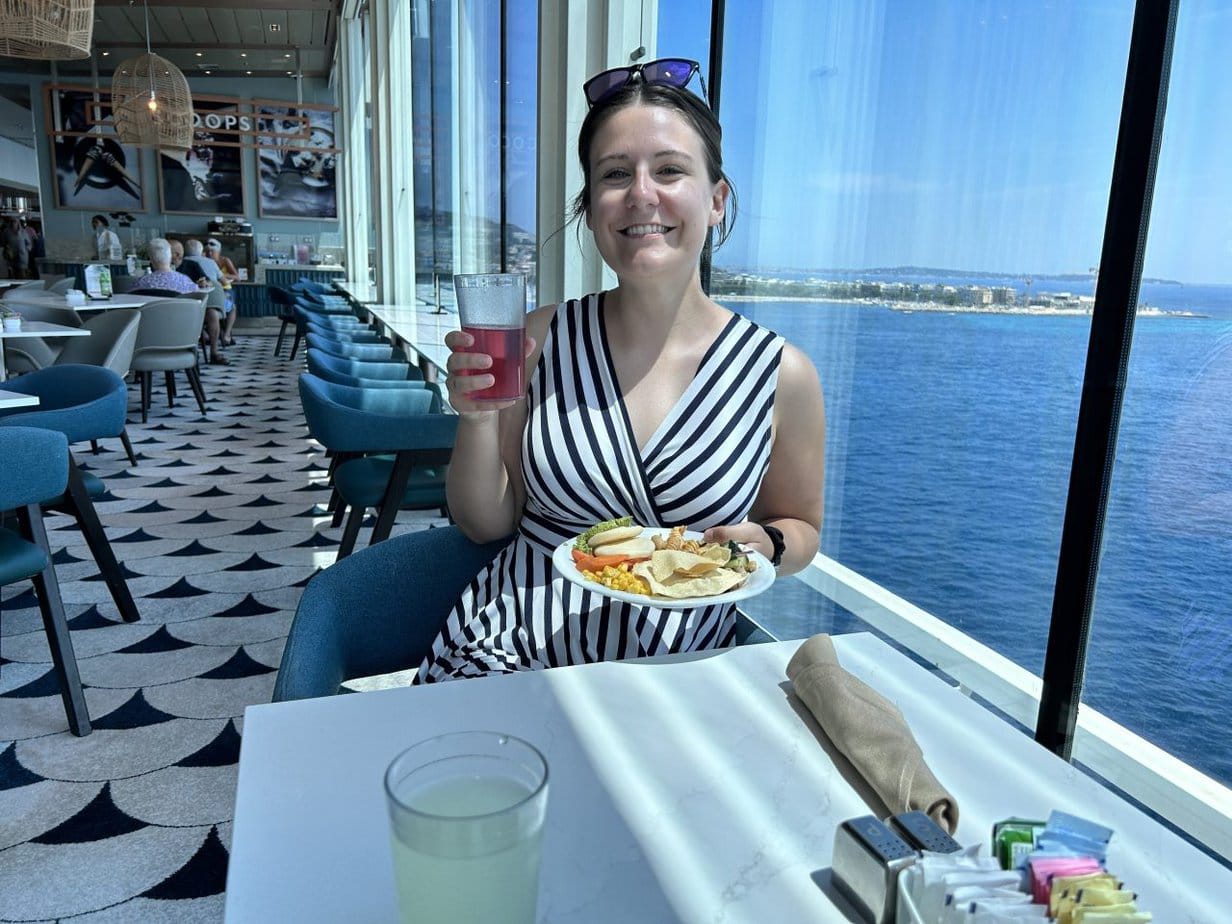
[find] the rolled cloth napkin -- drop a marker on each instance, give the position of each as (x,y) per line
(870,732)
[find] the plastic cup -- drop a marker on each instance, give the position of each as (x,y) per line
(466,817)
(492,309)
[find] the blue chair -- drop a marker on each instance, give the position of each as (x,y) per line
(318,362)
(304,284)
(36,468)
(393,446)
(345,335)
(379,611)
(341,320)
(83,403)
(285,301)
(378,352)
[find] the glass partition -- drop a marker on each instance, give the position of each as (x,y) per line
(1160,658)
(923,189)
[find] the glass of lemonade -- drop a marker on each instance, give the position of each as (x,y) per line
(492,309)
(466,817)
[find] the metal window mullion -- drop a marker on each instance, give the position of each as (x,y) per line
(354,204)
(1103,386)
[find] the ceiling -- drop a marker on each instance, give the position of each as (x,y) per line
(257,38)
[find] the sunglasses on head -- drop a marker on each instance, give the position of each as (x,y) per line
(665,72)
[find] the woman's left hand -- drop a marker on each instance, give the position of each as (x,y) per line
(748,534)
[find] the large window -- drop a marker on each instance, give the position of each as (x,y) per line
(473,69)
(1161,650)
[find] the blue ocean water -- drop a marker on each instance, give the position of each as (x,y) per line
(949,439)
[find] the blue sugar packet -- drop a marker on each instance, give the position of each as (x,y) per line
(1071,833)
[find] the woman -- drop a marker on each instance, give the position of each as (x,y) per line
(106,242)
(649,399)
(213,250)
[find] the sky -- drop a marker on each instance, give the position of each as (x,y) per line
(961,134)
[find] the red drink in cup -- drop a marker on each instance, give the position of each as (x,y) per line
(504,345)
(492,309)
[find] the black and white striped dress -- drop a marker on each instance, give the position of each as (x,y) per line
(703,467)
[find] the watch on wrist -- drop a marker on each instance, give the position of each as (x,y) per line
(776,540)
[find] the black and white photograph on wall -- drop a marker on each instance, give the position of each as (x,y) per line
(206,178)
(297,157)
(93,170)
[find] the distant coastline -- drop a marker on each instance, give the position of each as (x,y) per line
(924,296)
(907,307)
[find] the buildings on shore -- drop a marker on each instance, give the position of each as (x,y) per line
(911,296)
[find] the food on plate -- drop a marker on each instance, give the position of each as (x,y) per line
(600,541)
(626,548)
(582,543)
(686,574)
(740,560)
(619,578)
(618,555)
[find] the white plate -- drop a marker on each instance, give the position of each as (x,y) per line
(757,582)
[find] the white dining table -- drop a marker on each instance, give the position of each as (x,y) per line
(419,327)
(36,329)
(689,788)
(10,399)
(96,304)
(360,292)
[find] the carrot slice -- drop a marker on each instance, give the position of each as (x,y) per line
(597,563)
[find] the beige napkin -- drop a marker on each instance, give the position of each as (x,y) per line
(870,732)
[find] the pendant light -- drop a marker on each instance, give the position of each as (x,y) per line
(47,30)
(150,100)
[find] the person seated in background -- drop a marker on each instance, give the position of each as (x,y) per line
(162,277)
(196,267)
(213,250)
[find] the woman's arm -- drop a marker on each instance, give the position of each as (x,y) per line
(791,493)
(484,487)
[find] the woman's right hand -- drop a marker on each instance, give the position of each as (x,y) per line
(465,374)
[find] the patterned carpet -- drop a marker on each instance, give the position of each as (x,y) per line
(218,528)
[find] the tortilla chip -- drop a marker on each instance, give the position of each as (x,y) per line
(665,564)
(714,580)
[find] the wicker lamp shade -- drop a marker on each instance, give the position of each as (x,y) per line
(150,103)
(46,29)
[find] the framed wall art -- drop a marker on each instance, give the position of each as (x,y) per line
(92,170)
(207,178)
(297,157)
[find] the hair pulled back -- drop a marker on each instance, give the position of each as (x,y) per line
(695,112)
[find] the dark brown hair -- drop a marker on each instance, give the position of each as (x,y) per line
(695,112)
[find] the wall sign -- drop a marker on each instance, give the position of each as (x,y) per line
(92,170)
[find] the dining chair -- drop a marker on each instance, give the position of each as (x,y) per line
(320,363)
(393,448)
(378,352)
(284,301)
(345,334)
(341,378)
(84,403)
(113,336)
(167,342)
(379,611)
(26,288)
(36,472)
(30,353)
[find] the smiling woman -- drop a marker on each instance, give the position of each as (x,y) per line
(623,389)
